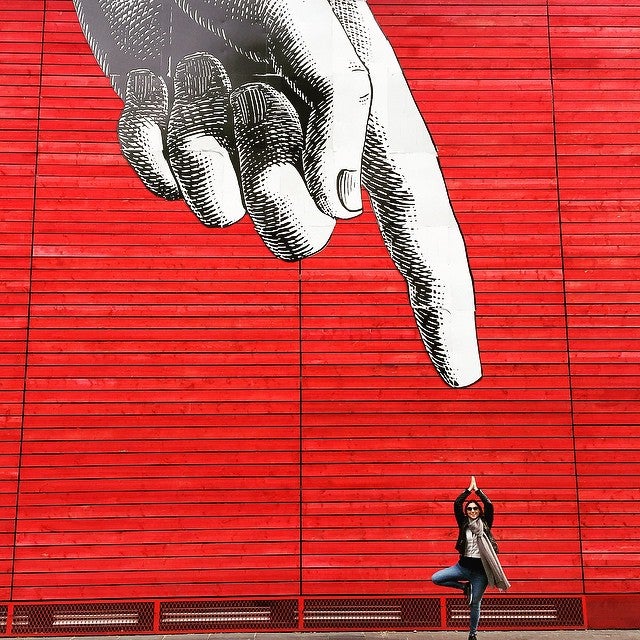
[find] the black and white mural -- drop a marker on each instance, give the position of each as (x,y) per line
(285,109)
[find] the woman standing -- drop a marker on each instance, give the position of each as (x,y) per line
(478,565)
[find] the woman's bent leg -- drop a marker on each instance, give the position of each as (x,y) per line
(450,577)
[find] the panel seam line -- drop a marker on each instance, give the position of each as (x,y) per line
(564,295)
(25,367)
(300,437)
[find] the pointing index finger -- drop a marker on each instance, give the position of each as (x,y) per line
(410,199)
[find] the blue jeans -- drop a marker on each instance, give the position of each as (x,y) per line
(455,577)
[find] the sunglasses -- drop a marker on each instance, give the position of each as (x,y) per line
(473,509)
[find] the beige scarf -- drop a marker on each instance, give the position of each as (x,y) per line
(489,557)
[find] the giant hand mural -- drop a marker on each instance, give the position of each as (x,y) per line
(284,110)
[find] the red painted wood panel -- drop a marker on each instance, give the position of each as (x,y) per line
(203,420)
(162,398)
(418,441)
(598,140)
(20,66)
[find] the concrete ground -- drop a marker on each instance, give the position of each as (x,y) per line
(627,634)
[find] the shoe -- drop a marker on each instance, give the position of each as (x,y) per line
(468,595)
(473,636)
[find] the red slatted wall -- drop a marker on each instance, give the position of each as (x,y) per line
(596,83)
(387,444)
(163,376)
(184,416)
(20,66)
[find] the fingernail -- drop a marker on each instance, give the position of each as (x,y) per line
(349,190)
(200,73)
(249,105)
(142,84)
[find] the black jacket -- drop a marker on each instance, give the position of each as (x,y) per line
(463,520)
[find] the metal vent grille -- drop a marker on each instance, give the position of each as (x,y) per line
(4,610)
(519,612)
(107,617)
(238,614)
(125,618)
(372,613)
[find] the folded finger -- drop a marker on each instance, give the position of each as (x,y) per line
(200,141)
(142,129)
(312,50)
(306,43)
(269,141)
